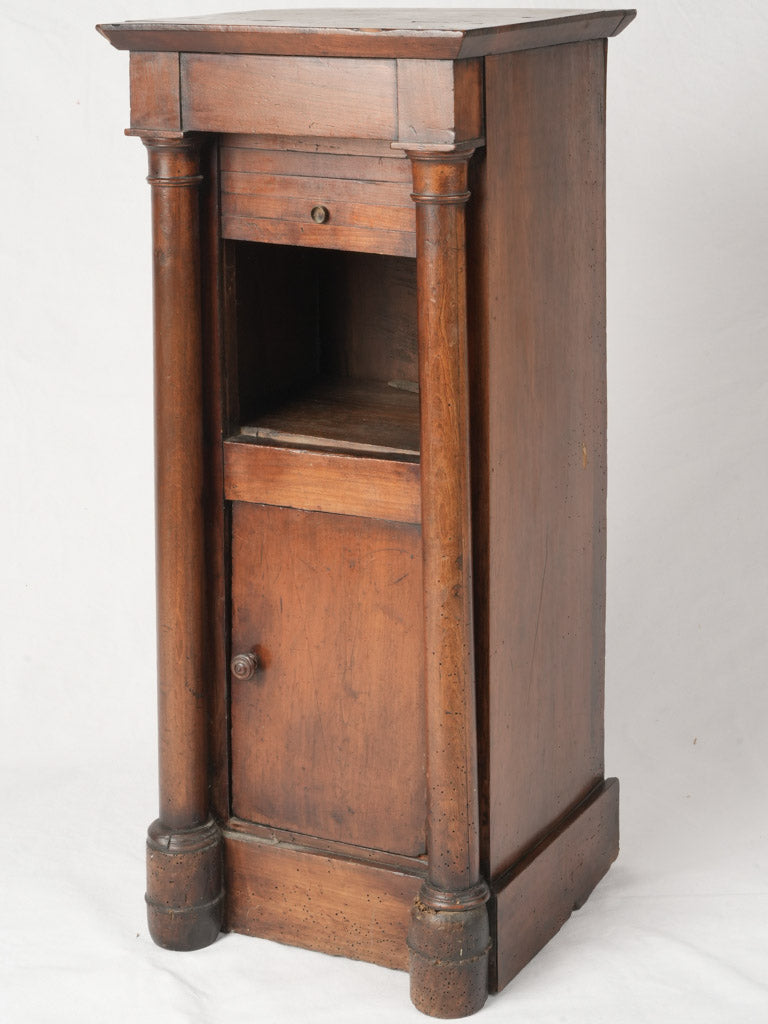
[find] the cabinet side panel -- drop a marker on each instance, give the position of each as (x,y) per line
(542,317)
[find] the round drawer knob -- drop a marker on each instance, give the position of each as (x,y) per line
(244,666)
(319,214)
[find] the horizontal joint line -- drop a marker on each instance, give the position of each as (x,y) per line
(180,182)
(427,199)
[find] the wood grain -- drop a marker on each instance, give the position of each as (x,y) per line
(316,189)
(297,95)
(532,902)
(380,656)
(558,29)
(290,145)
(539,440)
(440,188)
(174,174)
(329,847)
(155,99)
(439,101)
(449,938)
(184,871)
(368,317)
(332,606)
(362,215)
(381,207)
(344,414)
(435,34)
(336,905)
(297,209)
(349,238)
(237,155)
(322,481)
(298,314)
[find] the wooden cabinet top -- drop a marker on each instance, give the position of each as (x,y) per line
(392,33)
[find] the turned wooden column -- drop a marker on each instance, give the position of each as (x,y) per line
(184,870)
(449,937)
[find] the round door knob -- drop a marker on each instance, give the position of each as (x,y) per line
(244,666)
(319,214)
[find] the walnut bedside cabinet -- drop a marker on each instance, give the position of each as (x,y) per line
(379,287)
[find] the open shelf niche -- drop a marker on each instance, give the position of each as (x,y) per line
(326,350)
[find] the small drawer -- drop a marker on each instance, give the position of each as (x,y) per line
(323,200)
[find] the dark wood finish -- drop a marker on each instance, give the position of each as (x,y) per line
(185,886)
(302,315)
(361,215)
(274,303)
(448,939)
(448,960)
(297,96)
(346,414)
(379,254)
(332,609)
(322,147)
(539,453)
(369,319)
(238,223)
(238,153)
(174,174)
(423,33)
(378,197)
(440,190)
(183,843)
(312,844)
(322,481)
(439,101)
(558,875)
(337,905)
(155,99)
(218,415)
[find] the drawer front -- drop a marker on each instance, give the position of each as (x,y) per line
(326,200)
(306,96)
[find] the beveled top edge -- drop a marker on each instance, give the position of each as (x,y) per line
(391,32)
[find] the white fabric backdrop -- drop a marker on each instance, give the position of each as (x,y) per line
(679,929)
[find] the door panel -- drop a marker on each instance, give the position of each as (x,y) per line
(328,735)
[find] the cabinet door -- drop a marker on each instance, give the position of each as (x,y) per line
(328,735)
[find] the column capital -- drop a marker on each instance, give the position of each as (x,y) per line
(160,135)
(440,173)
(439,151)
(174,157)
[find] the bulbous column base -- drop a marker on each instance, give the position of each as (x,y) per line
(449,943)
(185,886)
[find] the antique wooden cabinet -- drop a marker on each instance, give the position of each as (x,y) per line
(379,276)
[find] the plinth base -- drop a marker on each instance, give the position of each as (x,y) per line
(185,886)
(530,903)
(449,947)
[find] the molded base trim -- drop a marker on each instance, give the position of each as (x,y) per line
(532,901)
(312,899)
(347,907)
